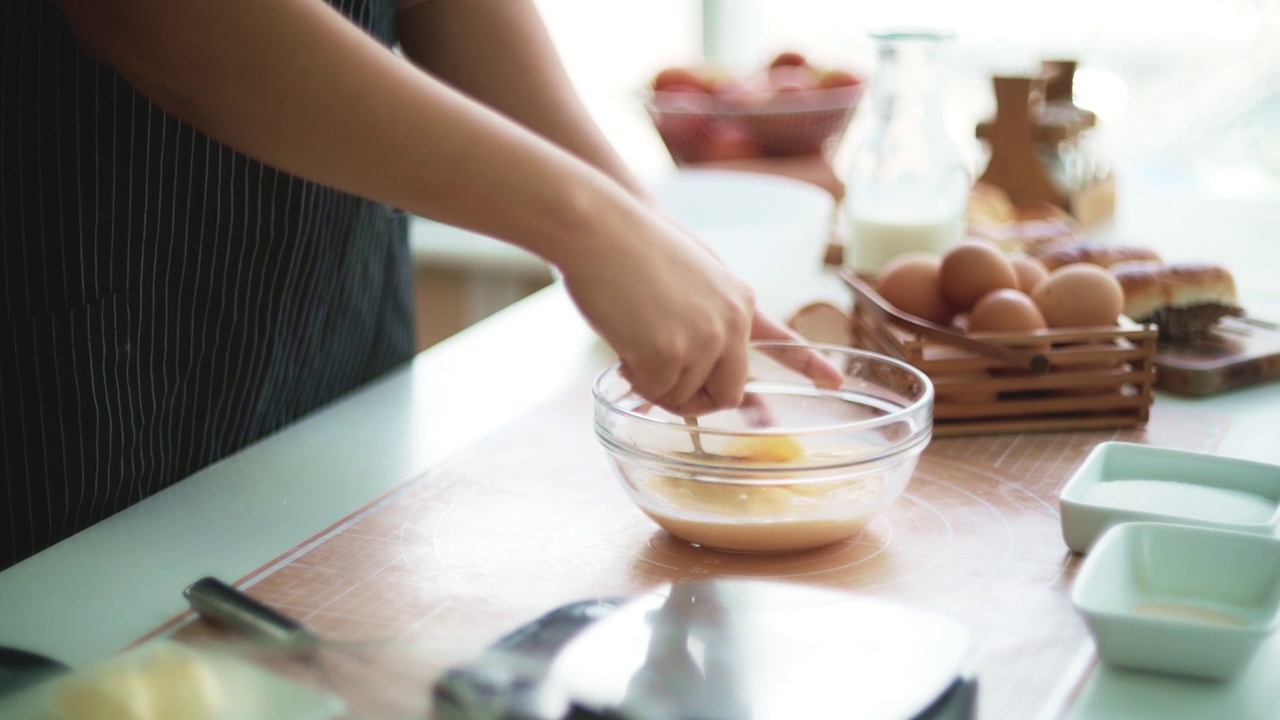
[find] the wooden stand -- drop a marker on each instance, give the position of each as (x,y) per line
(1096,377)
(1033,113)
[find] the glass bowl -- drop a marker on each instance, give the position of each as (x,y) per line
(795,467)
(704,127)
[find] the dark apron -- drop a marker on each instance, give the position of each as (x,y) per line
(165,300)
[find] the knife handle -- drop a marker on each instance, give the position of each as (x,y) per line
(215,600)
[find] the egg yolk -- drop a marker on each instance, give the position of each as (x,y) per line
(766,449)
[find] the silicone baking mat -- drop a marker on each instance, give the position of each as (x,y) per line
(532,518)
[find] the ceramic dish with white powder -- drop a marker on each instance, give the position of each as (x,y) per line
(1127,482)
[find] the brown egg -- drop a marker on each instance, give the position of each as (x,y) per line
(1030,272)
(908,258)
(1079,295)
(1006,310)
(971,269)
(909,282)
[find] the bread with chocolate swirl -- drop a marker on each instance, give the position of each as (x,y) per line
(1184,300)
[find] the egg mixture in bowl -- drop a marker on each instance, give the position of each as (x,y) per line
(796,467)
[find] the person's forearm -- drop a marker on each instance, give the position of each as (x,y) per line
(499,52)
(295,85)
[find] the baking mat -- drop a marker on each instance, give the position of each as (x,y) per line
(532,518)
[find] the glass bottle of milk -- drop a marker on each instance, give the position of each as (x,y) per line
(906,181)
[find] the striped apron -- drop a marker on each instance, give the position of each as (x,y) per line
(166,300)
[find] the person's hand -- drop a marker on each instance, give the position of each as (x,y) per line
(678,320)
(805,360)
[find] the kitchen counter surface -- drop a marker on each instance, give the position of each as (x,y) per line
(111,584)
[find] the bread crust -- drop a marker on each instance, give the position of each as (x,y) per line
(989,204)
(1059,254)
(1150,286)
(1184,301)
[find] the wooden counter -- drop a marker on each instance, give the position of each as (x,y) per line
(478,455)
(532,518)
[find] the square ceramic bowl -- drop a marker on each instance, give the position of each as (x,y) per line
(1126,482)
(1180,599)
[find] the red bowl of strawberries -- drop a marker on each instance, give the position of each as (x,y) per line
(790,108)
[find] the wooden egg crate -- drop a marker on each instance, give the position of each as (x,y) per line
(1092,378)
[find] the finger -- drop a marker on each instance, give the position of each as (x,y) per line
(644,408)
(756,410)
(725,385)
(753,407)
(650,381)
(692,379)
(805,359)
(624,372)
(698,405)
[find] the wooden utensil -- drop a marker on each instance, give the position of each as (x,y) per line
(700,453)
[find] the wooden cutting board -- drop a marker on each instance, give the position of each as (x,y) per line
(1238,354)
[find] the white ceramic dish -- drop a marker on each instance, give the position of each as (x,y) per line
(1180,599)
(769,230)
(1126,482)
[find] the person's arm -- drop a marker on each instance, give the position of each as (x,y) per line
(295,85)
(499,52)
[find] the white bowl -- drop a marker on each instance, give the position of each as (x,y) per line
(1179,599)
(771,231)
(1126,482)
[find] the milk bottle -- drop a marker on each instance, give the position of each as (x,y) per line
(907,183)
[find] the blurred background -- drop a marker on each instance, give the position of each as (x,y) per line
(1187,93)
(1188,87)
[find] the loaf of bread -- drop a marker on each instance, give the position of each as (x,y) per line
(991,215)
(1027,236)
(989,205)
(1184,300)
(1037,235)
(1058,254)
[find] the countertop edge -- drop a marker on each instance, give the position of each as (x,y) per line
(277,493)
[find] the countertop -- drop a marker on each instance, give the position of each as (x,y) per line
(100,590)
